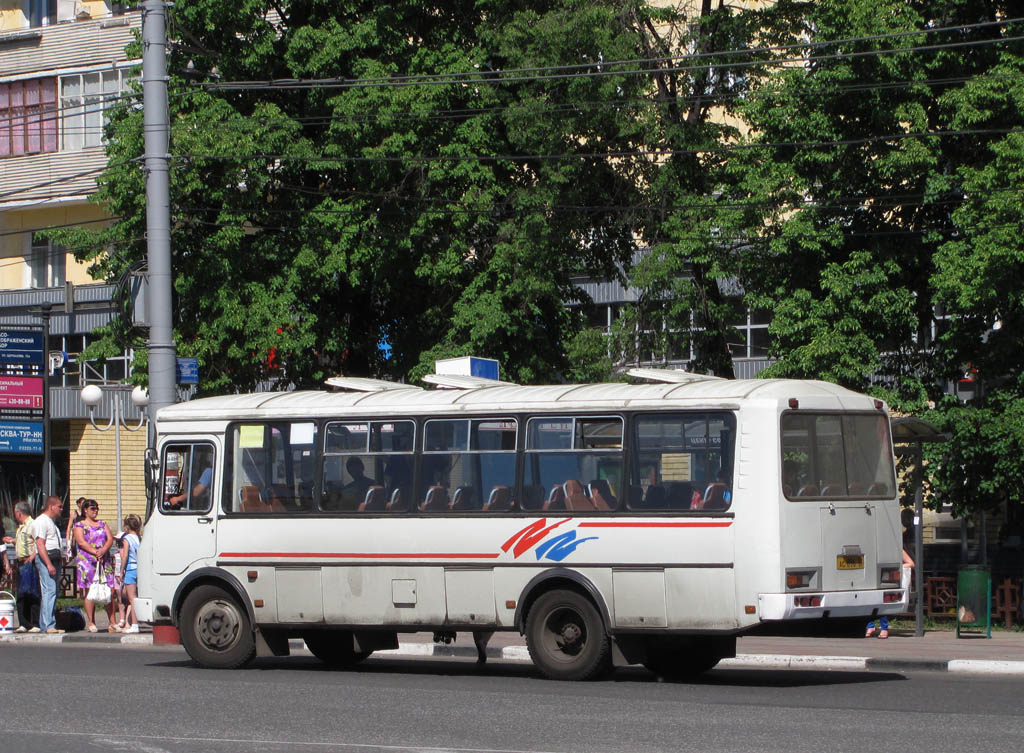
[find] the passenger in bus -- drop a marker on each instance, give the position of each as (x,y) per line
(199,491)
(355,490)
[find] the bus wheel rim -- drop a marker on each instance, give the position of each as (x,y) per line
(565,634)
(217,625)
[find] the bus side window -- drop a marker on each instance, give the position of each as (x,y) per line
(188,478)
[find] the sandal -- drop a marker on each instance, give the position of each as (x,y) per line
(113,629)
(870,632)
(884,634)
(91,628)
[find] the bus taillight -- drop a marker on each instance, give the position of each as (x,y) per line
(799,579)
(807,601)
(890,575)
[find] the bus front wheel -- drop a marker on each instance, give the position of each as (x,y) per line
(334,648)
(566,637)
(215,629)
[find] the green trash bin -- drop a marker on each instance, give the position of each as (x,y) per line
(974,599)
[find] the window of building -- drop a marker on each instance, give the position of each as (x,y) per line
(47,264)
(28,117)
(85,97)
(42,12)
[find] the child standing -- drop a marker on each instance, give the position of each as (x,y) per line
(130,567)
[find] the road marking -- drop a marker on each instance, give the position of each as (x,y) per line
(121,741)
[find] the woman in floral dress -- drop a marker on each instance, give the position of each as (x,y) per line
(94,541)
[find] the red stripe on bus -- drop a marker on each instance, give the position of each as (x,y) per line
(722,524)
(363,555)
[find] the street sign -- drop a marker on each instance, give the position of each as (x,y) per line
(20,347)
(25,437)
(21,392)
(187,370)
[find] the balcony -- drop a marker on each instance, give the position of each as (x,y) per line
(76,43)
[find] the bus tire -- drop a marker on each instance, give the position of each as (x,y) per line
(334,648)
(680,659)
(566,637)
(215,629)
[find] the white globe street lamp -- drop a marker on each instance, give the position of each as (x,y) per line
(92,395)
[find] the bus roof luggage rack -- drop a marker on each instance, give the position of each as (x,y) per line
(459,382)
(671,376)
(360,384)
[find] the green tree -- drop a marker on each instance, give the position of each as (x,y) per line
(424,202)
(888,249)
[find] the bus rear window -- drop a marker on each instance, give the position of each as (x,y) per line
(836,456)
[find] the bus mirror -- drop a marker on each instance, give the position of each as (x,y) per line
(151,473)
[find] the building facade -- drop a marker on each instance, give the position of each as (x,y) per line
(63,63)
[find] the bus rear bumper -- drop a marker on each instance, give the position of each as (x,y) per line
(789,606)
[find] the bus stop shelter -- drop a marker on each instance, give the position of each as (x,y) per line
(909,434)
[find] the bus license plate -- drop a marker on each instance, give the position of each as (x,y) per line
(850,562)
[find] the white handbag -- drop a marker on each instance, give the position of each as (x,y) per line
(99,591)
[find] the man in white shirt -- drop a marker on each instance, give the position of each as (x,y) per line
(48,562)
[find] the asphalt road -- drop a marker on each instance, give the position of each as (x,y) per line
(85,698)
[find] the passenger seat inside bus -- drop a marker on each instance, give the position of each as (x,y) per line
(376,500)
(397,501)
(556,499)
(465,499)
(575,498)
(499,500)
(678,495)
(436,499)
(601,494)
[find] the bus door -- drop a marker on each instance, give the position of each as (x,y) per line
(186,506)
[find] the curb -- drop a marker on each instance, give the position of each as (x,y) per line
(522,653)
(80,638)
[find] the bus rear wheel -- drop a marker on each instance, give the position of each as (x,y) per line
(334,648)
(215,629)
(681,659)
(566,637)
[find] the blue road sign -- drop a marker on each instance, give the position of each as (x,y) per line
(24,437)
(20,347)
(187,370)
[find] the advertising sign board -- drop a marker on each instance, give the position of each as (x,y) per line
(25,437)
(21,392)
(20,347)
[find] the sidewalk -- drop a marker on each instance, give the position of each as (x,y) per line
(935,651)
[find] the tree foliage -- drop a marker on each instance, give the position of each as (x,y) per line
(369,226)
(851,166)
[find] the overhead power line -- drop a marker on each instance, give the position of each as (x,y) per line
(610,154)
(587,70)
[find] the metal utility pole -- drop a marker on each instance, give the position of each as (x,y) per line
(156,129)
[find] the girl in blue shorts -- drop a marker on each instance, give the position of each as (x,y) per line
(130,566)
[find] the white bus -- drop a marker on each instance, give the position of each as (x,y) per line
(610,524)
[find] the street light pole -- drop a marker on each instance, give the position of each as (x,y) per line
(91,396)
